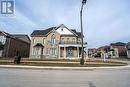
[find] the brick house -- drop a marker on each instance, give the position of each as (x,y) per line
(56,42)
(92,52)
(119,49)
(12,43)
(104,50)
(114,50)
(128,49)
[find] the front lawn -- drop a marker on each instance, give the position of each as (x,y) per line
(63,63)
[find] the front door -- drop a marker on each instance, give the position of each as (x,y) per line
(38,52)
(70,52)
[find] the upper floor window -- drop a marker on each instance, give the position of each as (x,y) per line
(62,40)
(62,29)
(68,39)
(53,39)
(73,39)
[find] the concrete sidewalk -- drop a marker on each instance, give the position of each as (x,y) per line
(62,68)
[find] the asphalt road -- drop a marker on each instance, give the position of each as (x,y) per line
(64,78)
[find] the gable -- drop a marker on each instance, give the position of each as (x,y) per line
(22,37)
(64,31)
(61,30)
(53,33)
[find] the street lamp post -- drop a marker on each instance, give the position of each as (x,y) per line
(82,36)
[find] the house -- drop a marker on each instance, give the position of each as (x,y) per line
(104,50)
(56,42)
(128,49)
(10,44)
(92,52)
(114,50)
(118,49)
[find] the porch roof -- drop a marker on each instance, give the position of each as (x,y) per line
(71,45)
(39,45)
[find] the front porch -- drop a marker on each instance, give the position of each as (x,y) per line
(69,52)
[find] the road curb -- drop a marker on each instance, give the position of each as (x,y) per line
(60,68)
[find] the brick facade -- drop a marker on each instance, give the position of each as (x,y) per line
(53,43)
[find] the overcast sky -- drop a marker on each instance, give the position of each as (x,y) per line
(104,21)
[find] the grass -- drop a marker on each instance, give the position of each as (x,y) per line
(62,63)
(72,64)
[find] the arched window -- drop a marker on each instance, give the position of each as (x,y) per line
(53,39)
(73,40)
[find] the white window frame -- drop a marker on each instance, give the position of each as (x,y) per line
(53,39)
(53,51)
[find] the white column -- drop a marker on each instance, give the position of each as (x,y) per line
(64,52)
(104,56)
(59,52)
(78,51)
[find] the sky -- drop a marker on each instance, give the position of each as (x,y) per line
(104,21)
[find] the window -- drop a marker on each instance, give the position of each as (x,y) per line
(53,51)
(37,51)
(53,40)
(73,40)
(62,29)
(62,40)
(67,39)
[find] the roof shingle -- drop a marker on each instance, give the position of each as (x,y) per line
(42,32)
(46,31)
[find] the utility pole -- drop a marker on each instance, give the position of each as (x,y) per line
(82,36)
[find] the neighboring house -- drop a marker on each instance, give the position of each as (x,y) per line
(128,49)
(118,49)
(104,50)
(11,44)
(114,50)
(56,42)
(92,52)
